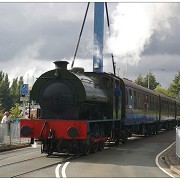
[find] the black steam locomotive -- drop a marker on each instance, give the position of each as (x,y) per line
(80,110)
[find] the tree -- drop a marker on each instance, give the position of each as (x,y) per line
(1,76)
(144,81)
(15,90)
(140,80)
(5,98)
(174,87)
(152,81)
(9,96)
(162,90)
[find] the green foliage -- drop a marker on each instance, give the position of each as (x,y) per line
(15,111)
(9,95)
(1,76)
(143,81)
(162,90)
(152,81)
(5,97)
(172,91)
(15,90)
(140,81)
(174,88)
(1,116)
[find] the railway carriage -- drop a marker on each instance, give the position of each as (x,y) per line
(167,112)
(142,109)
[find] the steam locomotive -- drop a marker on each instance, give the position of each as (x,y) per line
(80,111)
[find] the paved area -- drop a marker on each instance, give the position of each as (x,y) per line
(167,160)
(170,162)
(9,147)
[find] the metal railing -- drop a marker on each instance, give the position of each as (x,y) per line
(10,134)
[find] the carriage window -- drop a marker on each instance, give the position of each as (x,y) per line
(156,104)
(162,104)
(139,101)
(130,99)
(126,94)
(167,105)
(150,103)
(135,100)
(145,101)
(130,92)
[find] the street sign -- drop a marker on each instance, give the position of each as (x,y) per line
(24,99)
(24,89)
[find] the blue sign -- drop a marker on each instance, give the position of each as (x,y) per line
(24,89)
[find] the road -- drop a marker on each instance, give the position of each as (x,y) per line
(135,159)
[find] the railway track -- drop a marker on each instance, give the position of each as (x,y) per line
(44,167)
(10,156)
(20,165)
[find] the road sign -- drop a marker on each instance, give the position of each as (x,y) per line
(24,89)
(25,98)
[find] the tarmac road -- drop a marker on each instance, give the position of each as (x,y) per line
(134,159)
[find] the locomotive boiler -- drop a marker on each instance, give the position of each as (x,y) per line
(64,94)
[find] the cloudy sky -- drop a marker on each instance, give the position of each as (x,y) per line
(143,36)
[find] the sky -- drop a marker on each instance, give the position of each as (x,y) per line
(143,37)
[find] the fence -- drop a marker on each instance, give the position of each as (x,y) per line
(10,134)
(178,142)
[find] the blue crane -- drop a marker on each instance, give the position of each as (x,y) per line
(98,36)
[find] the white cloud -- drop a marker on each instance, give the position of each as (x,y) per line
(34,33)
(26,63)
(134,24)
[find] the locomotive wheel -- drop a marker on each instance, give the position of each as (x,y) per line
(124,137)
(50,152)
(96,134)
(95,147)
(116,142)
(157,132)
(86,149)
(101,145)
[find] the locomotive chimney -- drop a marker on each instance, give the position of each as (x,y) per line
(61,64)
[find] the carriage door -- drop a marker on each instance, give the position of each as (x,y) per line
(117,100)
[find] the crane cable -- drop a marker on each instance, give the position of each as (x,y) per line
(80,34)
(114,67)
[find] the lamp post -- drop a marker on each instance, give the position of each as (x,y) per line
(149,70)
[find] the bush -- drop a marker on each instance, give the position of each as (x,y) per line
(14,111)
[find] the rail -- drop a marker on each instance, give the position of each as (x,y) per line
(10,134)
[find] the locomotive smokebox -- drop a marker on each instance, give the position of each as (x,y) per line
(61,64)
